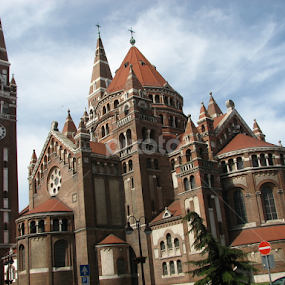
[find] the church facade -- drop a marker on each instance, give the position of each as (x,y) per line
(137,159)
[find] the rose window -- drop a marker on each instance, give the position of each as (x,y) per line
(54,181)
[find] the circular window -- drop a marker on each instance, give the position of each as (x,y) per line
(54,181)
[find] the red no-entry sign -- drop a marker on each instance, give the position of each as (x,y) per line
(264,247)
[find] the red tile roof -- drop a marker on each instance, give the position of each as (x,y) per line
(24,211)
(175,210)
(217,120)
(99,148)
(112,239)
(241,141)
(256,235)
(145,72)
(51,205)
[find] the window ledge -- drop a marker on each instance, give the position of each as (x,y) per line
(273,222)
(66,268)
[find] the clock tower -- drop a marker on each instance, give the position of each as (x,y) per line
(8,153)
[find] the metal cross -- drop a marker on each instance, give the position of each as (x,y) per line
(131,30)
(98,26)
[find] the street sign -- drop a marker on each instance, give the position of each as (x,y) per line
(85,280)
(271,261)
(264,247)
(84,270)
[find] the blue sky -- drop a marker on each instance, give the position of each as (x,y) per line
(236,49)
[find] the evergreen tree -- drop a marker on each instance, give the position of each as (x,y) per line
(223,265)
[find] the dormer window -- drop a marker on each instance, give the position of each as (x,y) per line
(142,62)
(166,214)
(126,64)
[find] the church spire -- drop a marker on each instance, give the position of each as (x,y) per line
(101,73)
(213,108)
(257,131)
(203,113)
(69,128)
(4,63)
(191,132)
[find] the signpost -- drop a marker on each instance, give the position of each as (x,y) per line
(85,274)
(265,248)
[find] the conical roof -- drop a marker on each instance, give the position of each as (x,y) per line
(69,128)
(34,157)
(145,72)
(132,81)
(191,130)
(213,108)
(257,131)
(3,52)
(101,69)
(203,112)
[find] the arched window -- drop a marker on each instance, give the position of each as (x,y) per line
(126,110)
(161,117)
(282,161)
(186,184)
(169,241)
(129,137)
(171,102)
(172,269)
(231,165)
(41,227)
(22,229)
(172,162)
(239,163)
(179,160)
(64,225)
(55,225)
(188,155)
(130,165)
(103,131)
(239,206)
(104,110)
(150,97)
(254,160)
(22,260)
(262,160)
(108,107)
(144,134)
(107,129)
(156,166)
(179,266)
(121,266)
(192,182)
(270,159)
(60,254)
(164,269)
(201,152)
(122,140)
(269,204)
(116,103)
(33,228)
(176,122)
(176,243)
(148,162)
(124,167)
(157,99)
(171,121)
(162,246)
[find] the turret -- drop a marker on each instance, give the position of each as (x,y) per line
(69,128)
(257,131)
(213,108)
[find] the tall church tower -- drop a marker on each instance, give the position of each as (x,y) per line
(8,153)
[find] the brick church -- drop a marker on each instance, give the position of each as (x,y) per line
(134,159)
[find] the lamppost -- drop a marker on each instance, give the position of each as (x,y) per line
(147,231)
(8,260)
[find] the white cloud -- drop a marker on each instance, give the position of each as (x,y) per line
(196,47)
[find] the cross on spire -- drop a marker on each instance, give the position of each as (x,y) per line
(132,41)
(98,26)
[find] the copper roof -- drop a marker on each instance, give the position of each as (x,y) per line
(175,210)
(256,235)
(51,205)
(145,72)
(241,141)
(112,239)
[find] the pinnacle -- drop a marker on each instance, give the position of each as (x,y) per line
(213,108)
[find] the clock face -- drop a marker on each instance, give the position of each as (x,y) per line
(2,132)
(54,181)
